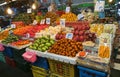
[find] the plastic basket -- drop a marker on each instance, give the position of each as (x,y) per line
(10,61)
(55,75)
(2,59)
(86,72)
(41,62)
(8,52)
(39,72)
(23,65)
(62,69)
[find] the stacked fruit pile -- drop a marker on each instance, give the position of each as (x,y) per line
(4,34)
(42,44)
(66,47)
(10,39)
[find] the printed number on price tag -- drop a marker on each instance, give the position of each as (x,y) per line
(69,35)
(42,21)
(62,22)
(47,20)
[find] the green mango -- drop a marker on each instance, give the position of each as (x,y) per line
(48,44)
(43,49)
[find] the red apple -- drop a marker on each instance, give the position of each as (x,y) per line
(81,32)
(81,38)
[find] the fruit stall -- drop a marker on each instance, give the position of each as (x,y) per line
(59,44)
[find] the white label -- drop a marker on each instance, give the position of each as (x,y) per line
(29,10)
(0,29)
(69,35)
(42,21)
(49,9)
(47,20)
(105,44)
(35,22)
(99,6)
(62,22)
(27,35)
(80,16)
(13,26)
(10,31)
(67,9)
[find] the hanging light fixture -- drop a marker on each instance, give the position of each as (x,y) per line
(9,11)
(34,6)
(110,1)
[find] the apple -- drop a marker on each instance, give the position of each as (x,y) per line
(81,32)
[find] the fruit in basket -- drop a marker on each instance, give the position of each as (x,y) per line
(66,47)
(10,39)
(60,35)
(42,44)
(82,53)
(69,17)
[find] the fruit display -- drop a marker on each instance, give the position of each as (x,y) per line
(52,15)
(105,38)
(60,35)
(39,18)
(42,44)
(52,31)
(10,39)
(20,43)
(97,28)
(29,29)
(25,17)
(66,47)
(82,54)
(18,24)
(70,17)
(104,51)
(4,34)
(109,28)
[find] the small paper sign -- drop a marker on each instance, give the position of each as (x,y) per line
(67,9)
(29,10)
(10,32)
(80,16)
(69,35)
(42,21)
(13,26)
(99,6)
(27,35)
(47,20)
(62,22)
(49,9)
(35,22)
(105,44)
(0,29)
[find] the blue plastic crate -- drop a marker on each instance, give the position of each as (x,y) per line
(2,58)
(86,72)
(41,62)
(8,52)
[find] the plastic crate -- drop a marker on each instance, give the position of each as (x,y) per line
(62,69)
(86,72)
(55,75)
(2,59)
(41,62)
(23,65)
(17,54)
(8,52)
(10,61)
(39,72)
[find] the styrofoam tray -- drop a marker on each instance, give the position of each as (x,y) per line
(20,47)
(38,53)
(71,60)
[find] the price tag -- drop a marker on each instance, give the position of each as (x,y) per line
(35,22)
(0,29)
(49,9)
(42,21)
(67,9)
(80,16)
(27,35)
(13,26)
(105,44)
(47,20)
(69,35)
(29,10)
(62,22)
(99,6)
(10,32)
